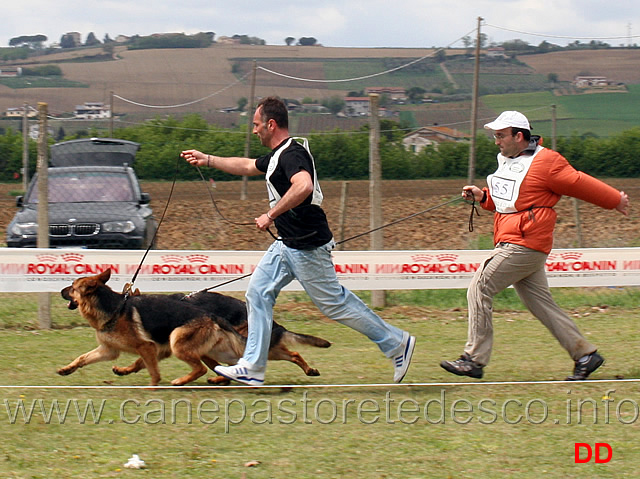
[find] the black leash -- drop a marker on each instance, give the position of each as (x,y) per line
(400,220)
(353,237)
(129,286)
(235,223)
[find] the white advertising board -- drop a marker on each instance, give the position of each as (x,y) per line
(41,270)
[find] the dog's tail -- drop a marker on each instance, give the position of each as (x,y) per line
(290,337)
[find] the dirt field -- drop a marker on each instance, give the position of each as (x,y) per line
(192,222)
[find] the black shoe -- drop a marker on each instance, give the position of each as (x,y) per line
(463,367)
(582,370)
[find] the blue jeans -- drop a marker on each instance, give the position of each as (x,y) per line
(315,271)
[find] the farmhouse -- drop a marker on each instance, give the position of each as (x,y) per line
(417,140)
(587,81)
(10,72)
(396,94)
(92,111)
(356,106)
(496,52)
(19,112)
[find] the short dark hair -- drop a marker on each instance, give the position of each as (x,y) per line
(273,108)
(526,134)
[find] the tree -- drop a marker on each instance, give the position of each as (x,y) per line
(91,40)
(335,104)
(108,48)
(552,78)
(415,94)
(242,103)
(441,55)
(31,41)
(67,41)
(289,41)
(307,41)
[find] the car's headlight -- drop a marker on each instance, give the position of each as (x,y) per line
(118,227)
(20,229)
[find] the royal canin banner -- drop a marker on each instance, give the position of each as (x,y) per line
(42,270)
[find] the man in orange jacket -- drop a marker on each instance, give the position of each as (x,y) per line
(529,181)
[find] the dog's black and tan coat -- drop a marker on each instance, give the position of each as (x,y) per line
(205,328)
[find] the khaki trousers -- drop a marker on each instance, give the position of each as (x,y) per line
(523,268)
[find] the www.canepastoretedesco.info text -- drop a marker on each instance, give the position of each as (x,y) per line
(385,408)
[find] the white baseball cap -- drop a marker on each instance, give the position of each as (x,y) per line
(508,119)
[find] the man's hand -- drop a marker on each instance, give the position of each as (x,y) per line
(623,206)
(471,193)
(195,157)
(263,222)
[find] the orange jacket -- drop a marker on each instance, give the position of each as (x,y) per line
(548,179)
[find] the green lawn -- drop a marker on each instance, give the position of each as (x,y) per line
(604,114)
(435,425)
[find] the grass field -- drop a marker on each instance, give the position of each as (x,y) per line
(604,114)
(455,427)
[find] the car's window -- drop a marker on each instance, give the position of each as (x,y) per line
(86,187)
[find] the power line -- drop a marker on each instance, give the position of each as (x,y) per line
(564,37)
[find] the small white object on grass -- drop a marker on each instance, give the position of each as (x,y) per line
(135,462)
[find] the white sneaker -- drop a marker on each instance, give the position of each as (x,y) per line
(243,373)
(401,362)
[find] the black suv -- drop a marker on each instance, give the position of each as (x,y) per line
(94,199)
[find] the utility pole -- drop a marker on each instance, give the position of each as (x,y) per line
(247,145)
(378,297)
(25,149)
(44,299)
(111,116)
(474,110)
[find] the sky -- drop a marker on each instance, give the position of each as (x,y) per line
(334,23)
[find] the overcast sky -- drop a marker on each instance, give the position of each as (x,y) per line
(334,23)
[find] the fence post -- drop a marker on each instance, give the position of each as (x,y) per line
(342,218)
(25,148)
(44,300)
(378,297)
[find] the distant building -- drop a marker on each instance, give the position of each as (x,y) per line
(417,140)
(223,40)
(19,112)
(496,52)
(356,106)
(92,111)
(588,81)
(76,37)
(395,94)
(10,72)
(122,39)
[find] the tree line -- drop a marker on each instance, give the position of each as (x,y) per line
(339,155)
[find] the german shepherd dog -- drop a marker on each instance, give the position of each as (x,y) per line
(156,326)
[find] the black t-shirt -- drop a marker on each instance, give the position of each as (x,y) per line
(305,226)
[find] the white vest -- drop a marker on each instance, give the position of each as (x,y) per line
(504,184)
(274,197)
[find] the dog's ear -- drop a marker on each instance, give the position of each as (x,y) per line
(104,276)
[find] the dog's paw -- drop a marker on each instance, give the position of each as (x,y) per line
(313,372)
(219,381)
(120,371)
(65,371)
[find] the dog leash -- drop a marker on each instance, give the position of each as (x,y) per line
(236,223)
(474,208)
(128,287)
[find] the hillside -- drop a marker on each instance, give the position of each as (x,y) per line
(183,76)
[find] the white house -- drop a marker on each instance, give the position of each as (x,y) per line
(417,140)
(92,111)
(19,112)
(356,106)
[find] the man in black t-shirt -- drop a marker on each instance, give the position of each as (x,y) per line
(302,252)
